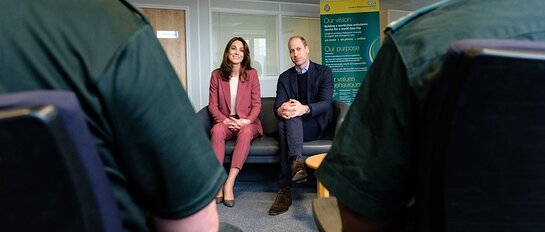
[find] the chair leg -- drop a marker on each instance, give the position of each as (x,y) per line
(321,190)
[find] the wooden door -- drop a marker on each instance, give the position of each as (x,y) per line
(171,22)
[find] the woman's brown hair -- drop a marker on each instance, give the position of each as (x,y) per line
(226,66)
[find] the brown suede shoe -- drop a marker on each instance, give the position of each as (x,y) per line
(282,202)
(298,170)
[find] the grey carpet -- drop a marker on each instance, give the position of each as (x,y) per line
(253,199)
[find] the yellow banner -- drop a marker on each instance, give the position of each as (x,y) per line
(348,6)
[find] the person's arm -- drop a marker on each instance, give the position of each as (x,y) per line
(213,99)
(152,121)
(283,111)
(325,91)
(255,95)
(255,101)
(294,109)
(205,220)
(282,99)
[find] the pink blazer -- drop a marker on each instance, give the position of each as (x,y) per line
(248,99)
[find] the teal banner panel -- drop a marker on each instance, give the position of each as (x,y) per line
(350,42)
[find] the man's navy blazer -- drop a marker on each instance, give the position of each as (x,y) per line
(319,89)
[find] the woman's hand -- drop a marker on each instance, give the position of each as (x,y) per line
(228,122)
(236,124)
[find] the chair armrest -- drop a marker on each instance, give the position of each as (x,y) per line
(340,109)
(206,120)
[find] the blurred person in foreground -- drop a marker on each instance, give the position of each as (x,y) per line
(370,168)
(159,162)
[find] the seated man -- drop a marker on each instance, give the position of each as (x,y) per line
(304,95)
(106,53)
(370,165)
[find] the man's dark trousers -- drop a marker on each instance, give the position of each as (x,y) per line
(292,133)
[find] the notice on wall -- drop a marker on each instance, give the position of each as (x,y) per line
(350,41)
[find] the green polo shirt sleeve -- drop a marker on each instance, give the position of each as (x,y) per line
(159,144)
(369,165)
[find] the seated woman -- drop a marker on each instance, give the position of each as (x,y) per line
(234,103)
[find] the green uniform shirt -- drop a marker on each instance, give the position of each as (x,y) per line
(370,167)
(154,149)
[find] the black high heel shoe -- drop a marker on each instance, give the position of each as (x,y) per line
(229,203)
(219,200)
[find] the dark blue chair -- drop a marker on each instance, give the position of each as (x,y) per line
(51,178)
(482,163)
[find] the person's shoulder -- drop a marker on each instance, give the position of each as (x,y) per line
(215,73)
(115,21)
(135,11)
(108,12)
(399,23)
(320,67)
(252,72)
(286,73)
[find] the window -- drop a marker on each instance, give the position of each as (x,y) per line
(261,33)
(307,27)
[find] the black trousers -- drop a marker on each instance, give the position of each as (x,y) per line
(291,135)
